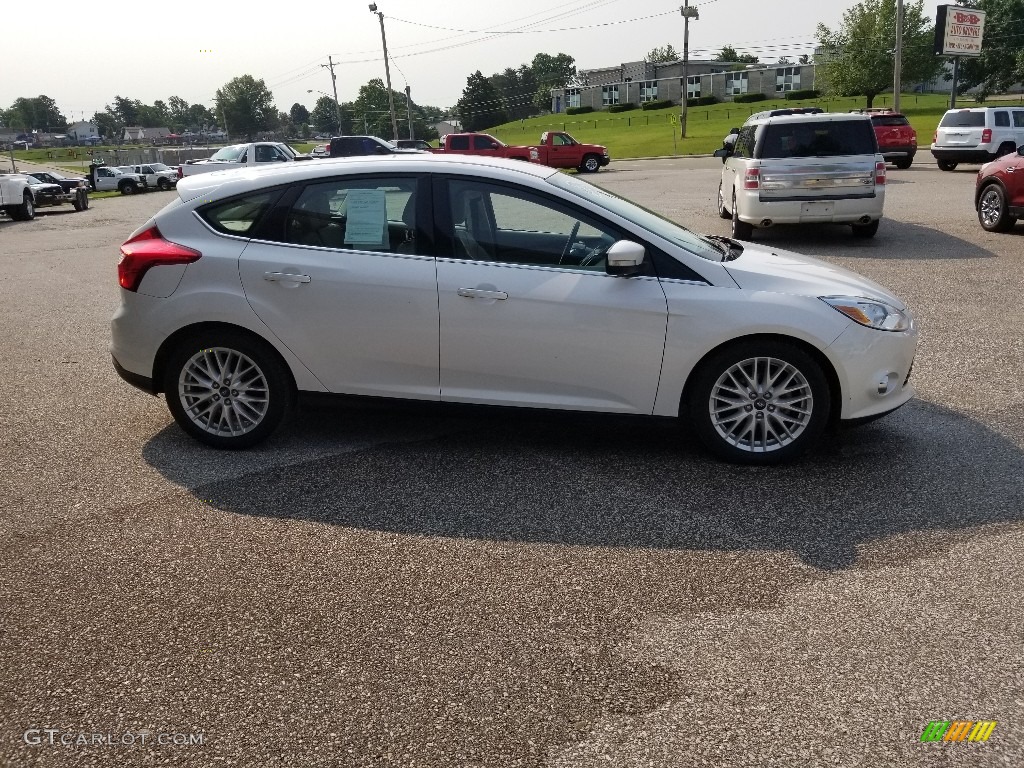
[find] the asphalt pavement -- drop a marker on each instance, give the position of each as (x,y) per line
(393,587)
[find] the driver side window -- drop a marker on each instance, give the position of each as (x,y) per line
(495,223)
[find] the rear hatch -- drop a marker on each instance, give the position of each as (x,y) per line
(824,160)
(893,131)
(962,128)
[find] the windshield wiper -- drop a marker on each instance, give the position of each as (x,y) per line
(731,250)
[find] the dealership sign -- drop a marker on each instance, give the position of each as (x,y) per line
(958,31)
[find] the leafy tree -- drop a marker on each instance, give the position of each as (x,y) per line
(200,117)
(298,114)
(517,89)
(728,53)
(39,113)
(857,58)
(127,110)
(1001,63)
(480,105)
(549,72)
(247,105)
(663,55)
(805,59)
(324,116)
(784,61)
(108,125)
(177,113)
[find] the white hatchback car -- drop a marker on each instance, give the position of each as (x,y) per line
(470,280)
(803,169)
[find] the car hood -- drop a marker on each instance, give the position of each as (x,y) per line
(781,271)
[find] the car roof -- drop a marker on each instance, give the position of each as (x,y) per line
(823,117)
(221,184)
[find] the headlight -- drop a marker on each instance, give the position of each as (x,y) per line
(870,312)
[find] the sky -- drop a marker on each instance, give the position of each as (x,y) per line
(149,51)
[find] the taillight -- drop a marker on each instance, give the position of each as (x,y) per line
(935,138)
(880,173)
(181,173)
(752,178)
(149,249)
(986,136)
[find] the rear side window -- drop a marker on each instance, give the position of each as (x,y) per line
(1018,119)
(963,119)
(818,139)
(1002,119)
(890,120)
(239,215)
(458,142)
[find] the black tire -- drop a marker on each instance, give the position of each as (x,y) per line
(723,213)
(792,432)
(903,163)
(590,164)
(128,188)
(947,165)
(993,212)
(741,230)
(866,230)
(24,212)
(81,201)
(264,402)
(163,184)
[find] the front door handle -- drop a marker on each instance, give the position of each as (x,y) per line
(480,293)
(285,277)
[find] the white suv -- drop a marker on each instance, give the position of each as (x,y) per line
(977,135)
(803,169)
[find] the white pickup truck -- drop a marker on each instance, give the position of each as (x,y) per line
(103,178)
(260,153)
(157,175)
(16,197)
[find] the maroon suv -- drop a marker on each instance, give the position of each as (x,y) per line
(999,192)
(897,140)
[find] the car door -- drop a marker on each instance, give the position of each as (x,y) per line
(562,153)
(344,278)
(529,317)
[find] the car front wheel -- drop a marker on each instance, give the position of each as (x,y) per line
(759,402)
(226,389)
(992,210)
(24,212)
(590,164)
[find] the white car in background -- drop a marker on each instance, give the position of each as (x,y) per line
(470,280)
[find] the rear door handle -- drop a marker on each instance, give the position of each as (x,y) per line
(479,293)
(285,277)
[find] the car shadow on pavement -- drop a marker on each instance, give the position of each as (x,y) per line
(892,241)
(926,472)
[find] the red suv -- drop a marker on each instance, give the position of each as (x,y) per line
(999,192)
(897,140)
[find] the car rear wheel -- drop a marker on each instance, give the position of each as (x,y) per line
(163,184)
(904,162)
(741,230)
(722,211)
(992,210)
(128,188)
(81,201)
(866,230)
(759,402)
(947,165)
(226,389)
(24,212)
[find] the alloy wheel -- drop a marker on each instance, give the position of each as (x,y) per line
(223,392)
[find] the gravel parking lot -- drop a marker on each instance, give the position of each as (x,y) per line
(397,588)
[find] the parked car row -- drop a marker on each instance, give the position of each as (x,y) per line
(21,194)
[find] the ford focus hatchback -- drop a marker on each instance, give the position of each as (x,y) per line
(492,282)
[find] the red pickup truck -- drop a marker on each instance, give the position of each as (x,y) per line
(560,150)
(557,149)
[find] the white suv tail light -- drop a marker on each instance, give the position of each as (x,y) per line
(986,136)
(752,178)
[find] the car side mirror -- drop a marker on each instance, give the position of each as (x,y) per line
(734,131)
(722,153)
(624,258)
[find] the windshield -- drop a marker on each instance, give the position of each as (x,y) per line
(159,167)
(230,154)
(963,119)
(288,150)
(649,220)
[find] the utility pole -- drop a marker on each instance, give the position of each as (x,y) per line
(897,79)
(688,13)
(408,104)
(334,84)
(387,71)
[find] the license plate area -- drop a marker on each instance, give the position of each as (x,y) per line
(817,209)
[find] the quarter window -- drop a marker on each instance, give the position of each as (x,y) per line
(1002,119)
(239,215)
(1018,119)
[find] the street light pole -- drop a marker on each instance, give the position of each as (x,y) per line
(387,71)
(688,13)
(897,69)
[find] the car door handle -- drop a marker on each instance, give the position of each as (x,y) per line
(285,277)
(479,293)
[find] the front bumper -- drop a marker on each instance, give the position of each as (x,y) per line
(874,369)
(605,160)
